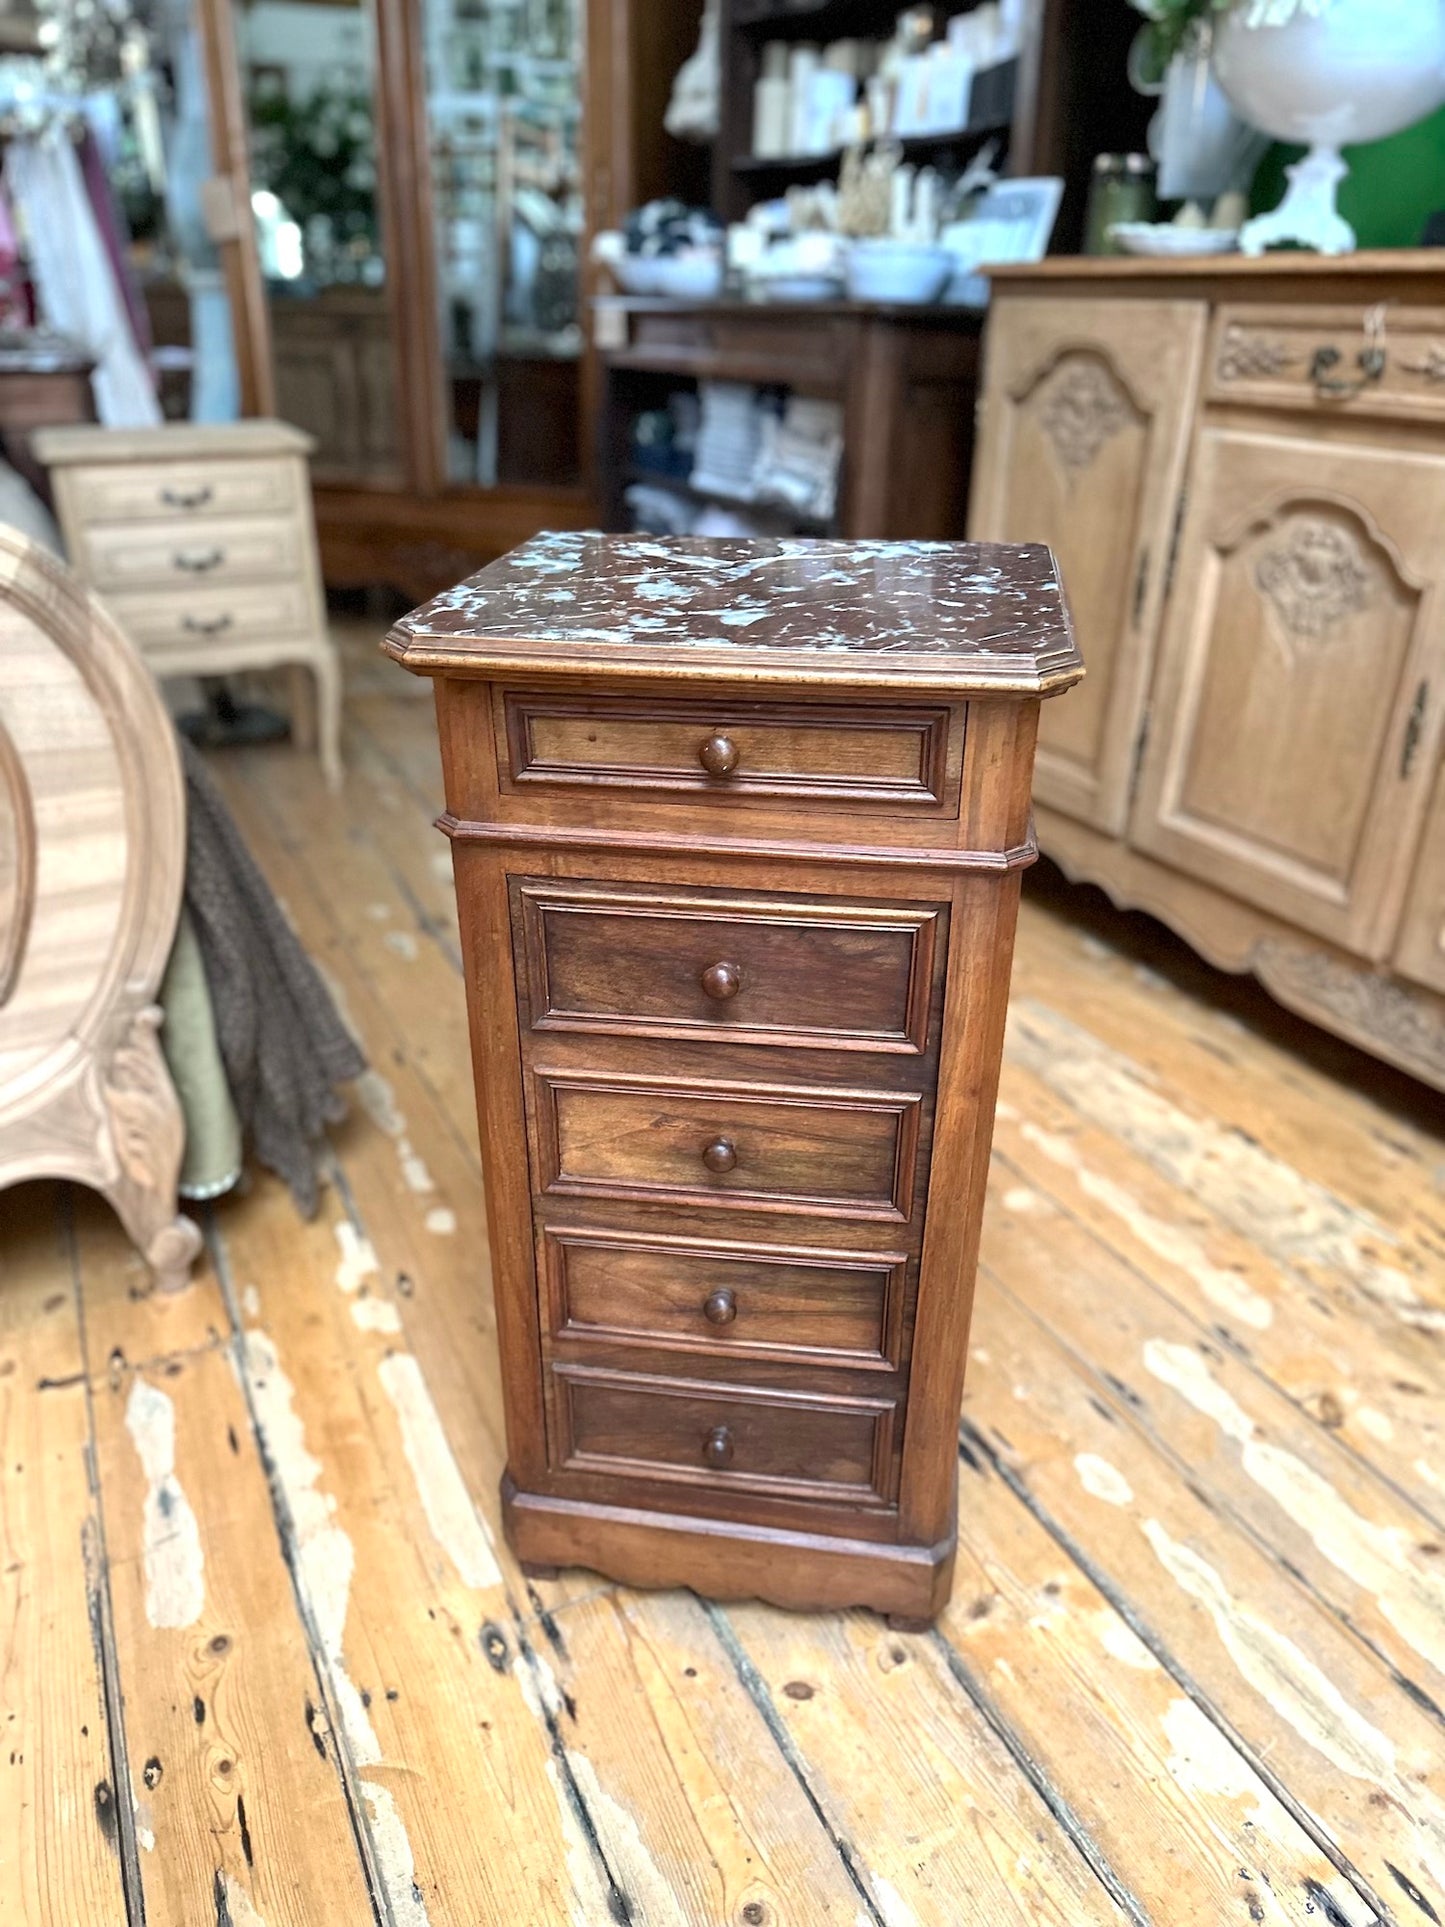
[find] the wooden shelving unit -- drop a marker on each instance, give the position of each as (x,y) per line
(1065,98)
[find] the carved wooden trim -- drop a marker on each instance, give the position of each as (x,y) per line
(97,1104)
(17,863)
(1244,356)
(1405,1025)
(1084,407)
(1314,578)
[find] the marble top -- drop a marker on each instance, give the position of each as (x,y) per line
(885,614)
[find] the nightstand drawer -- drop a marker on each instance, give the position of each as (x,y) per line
(184,490)
(749,1301)
(795,1444)
(691,964)
(191,618)
(137,555)
(848,1153)
(807,756)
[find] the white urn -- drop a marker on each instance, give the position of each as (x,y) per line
(1327,73)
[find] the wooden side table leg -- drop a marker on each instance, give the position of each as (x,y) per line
(301,692)
(326,666)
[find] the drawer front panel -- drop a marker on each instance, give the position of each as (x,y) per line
(821,755)
(1337,360)
(743,1300)
(190,618)
(185,490)
(782,1442)
(852,1153)
(751,969)
(141,555)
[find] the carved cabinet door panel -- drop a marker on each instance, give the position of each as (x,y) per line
(1297,706)
(1421,954)
(1086,415)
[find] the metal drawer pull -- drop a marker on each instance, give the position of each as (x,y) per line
(720,1307)
(717,1447)
(721,981)
(199,564)
(187,498)
(718,755)
(206,625)
(719,1156)
(1370,360)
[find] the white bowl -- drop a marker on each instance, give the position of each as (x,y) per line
(637,273)
(797,286)
(898,271)
(694,275)
(1164,238)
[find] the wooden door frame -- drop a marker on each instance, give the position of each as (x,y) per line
(227,199)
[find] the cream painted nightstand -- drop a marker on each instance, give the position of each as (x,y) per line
(201,541)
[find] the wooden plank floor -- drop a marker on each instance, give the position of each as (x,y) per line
(267,1659)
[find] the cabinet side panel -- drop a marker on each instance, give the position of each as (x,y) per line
(484,915)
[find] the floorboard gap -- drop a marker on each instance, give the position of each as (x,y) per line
(756,1688)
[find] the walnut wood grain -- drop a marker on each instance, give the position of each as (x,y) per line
(736,921)
(753,1301)
(681,1431)
(758,968)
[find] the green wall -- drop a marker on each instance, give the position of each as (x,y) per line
(1392,184)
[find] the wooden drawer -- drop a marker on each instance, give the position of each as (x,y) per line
(163,619)
(747,1301)
(807,756)
(752,969)
(1316,358)
(184,490)
(785,1148)
(792,1443)
(807,351)
(141,554)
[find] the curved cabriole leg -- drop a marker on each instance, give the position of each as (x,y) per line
(148,1133)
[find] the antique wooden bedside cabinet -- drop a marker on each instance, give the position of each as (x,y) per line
(738,829)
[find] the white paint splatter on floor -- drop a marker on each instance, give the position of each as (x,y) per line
(174,1563)
(1102,1480)
(441,1221)
(455,1522)
(358,1257)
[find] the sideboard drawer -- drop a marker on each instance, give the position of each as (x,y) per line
(140,555)
(839,1307)
(762,969)
(1386,362)
(807,756)
(849,1153)
(795,1444)
(185,490)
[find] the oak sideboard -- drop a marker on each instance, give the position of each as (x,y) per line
(1240,466)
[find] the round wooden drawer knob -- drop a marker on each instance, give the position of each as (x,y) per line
(720,1307)
(720,1155)
(721,981)
(717,1447)
(718,755)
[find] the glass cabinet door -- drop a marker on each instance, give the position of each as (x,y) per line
(307,70)
(504,114)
